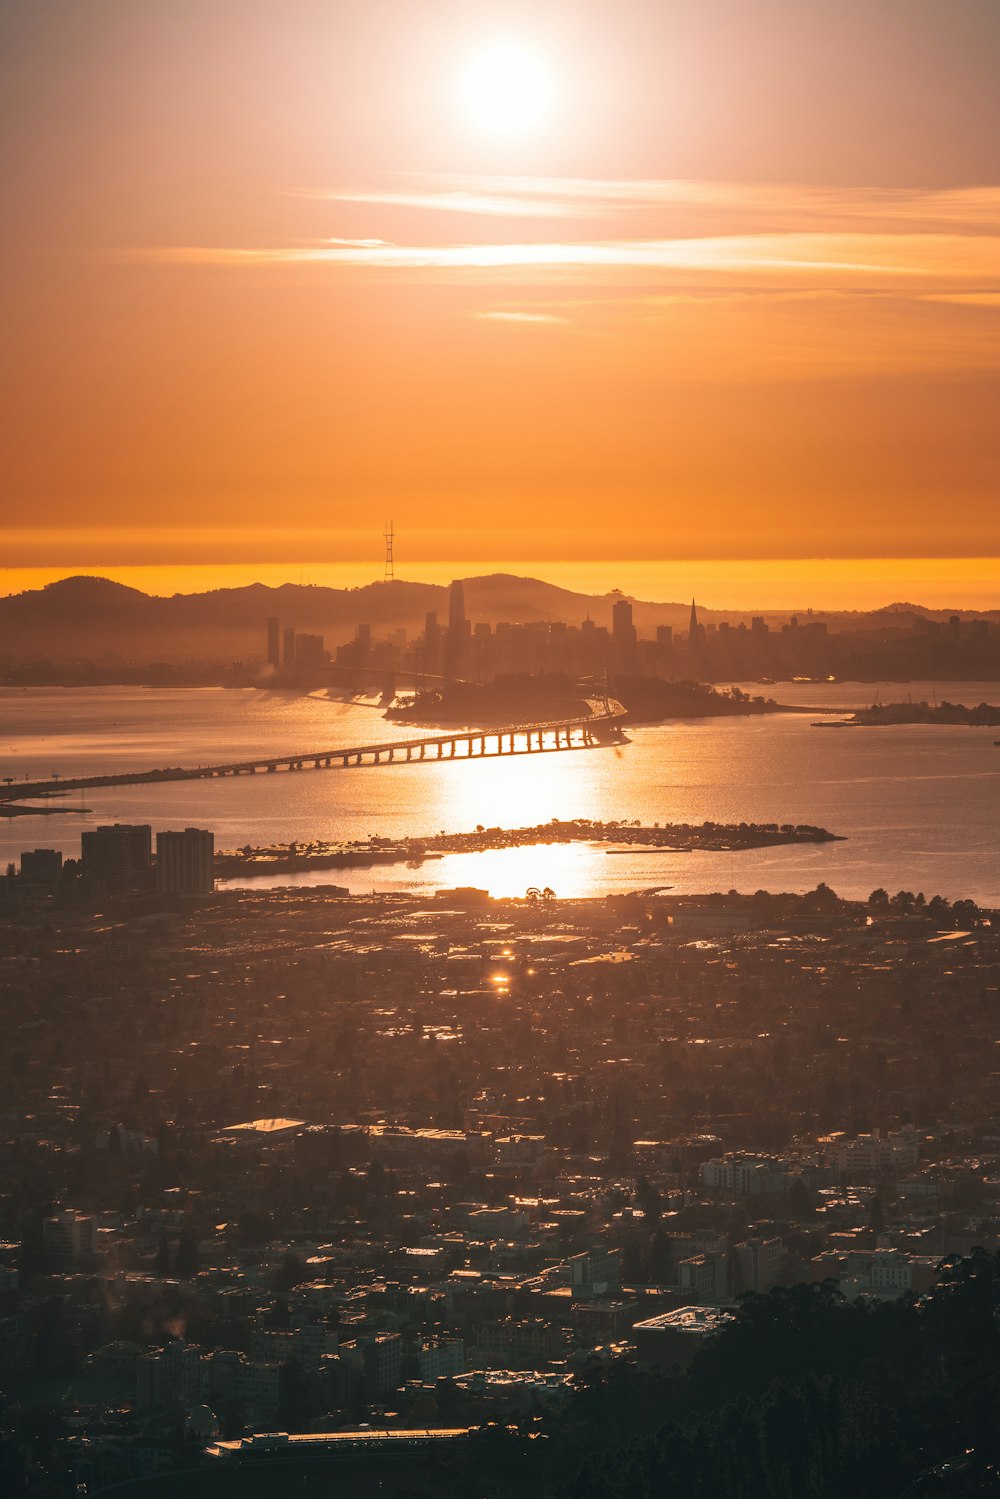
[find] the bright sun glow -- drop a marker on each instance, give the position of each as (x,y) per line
(505,89)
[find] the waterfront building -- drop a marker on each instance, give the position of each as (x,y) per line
(120,853)
(185,862)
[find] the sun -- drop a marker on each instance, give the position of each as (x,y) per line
(505,89)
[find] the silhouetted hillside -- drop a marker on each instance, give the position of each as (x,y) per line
(90,618)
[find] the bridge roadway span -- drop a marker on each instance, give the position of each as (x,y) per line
(600,727)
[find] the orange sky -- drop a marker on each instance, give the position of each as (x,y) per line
(737,297)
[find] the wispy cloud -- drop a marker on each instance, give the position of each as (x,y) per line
(504,316)
(457,200)
(757,205)
(966,298)
(821,257)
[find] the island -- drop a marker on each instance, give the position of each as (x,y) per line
(522,697)
(878,715)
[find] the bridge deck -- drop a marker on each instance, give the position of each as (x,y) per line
(600,726)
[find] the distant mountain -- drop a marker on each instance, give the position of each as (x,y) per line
(92,618)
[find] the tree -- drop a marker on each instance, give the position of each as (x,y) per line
(823,898)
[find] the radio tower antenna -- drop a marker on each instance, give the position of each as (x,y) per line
(389,574)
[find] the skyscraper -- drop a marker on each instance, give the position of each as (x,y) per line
(694,631)
(185,862)
(432,643)
(454,656)
(273,642)
(309,652)
(623,635)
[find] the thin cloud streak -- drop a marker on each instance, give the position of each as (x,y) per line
(975,209)
(457,200)
(877,255)
(520,317)
(966,298)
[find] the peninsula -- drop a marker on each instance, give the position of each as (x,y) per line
(711,837)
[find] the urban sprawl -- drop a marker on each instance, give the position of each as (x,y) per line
(295,1177)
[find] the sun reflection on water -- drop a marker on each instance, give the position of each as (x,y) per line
(569,869)
(517,791)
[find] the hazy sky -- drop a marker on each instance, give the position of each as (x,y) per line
(268,279)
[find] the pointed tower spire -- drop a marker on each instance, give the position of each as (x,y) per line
(694,629)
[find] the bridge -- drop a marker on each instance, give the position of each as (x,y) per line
(600,726)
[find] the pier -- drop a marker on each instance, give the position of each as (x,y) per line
(600,727)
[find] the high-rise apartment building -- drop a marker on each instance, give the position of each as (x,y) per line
(120,853)
(185,862)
